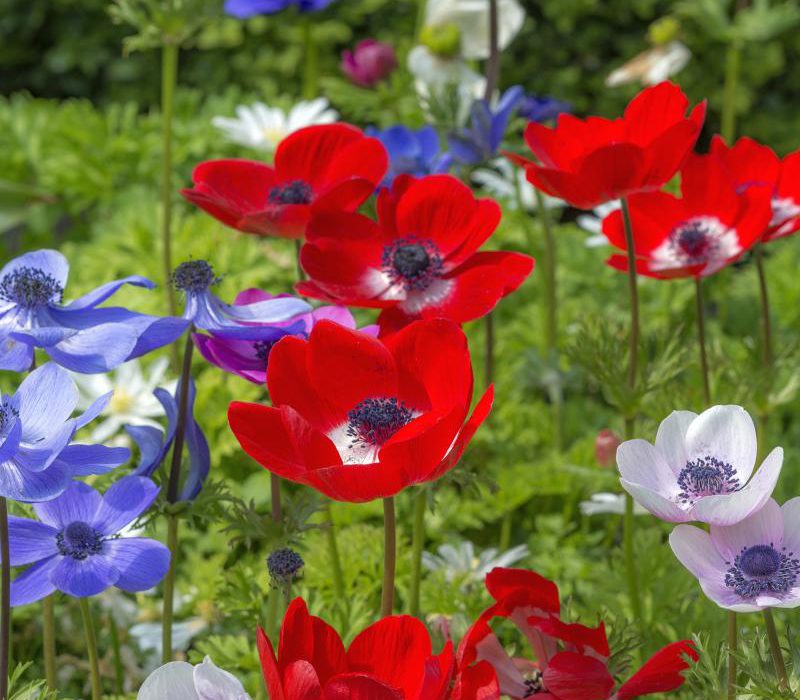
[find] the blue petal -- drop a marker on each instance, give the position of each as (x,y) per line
(34,583)
(30,541)
(400,142)
(95,350)
(78,503)
(15,355)
(95,409)
(244,9)
(82,578)
(505,110)
(464,149)
(10,443)
(125,501)
(199,462)
(41,453)
(83,460)
(42,336)
(428,139)
(152,450)
(213,315)
(141,562)
(46,399)
(32,487)
(104,291)
(157,333)
(51,262)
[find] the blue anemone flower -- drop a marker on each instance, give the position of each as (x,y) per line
(244,9)
(542,109)
(206,311)
(481,140)
(154,444)
(75,546)
(37,458)
(412,152)
(80,335)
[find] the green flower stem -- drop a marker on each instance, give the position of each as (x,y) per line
(5,600)
(733,646)
(766,321)
(169,81)
(775,650)
(733,64)
(271,623)
(119,671)
(311,66)
(631,572)
(49,641)
(169,590)
(488,360)
(422,7)
(389,557)
(506,527)
(91,648)
(417,545)
(701,339)
(333,551)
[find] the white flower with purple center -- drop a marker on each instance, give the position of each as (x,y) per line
(702,240)
(700,468)
(749,566)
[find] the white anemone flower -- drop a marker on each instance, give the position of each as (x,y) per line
(460,562)
(179,680)
(263,128)
(608,504)
(652,66)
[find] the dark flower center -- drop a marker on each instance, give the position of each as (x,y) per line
(695,241)
(413,262)
(706,476)
(7,415)
(373,421)
(194,276)
(762,569)
(294,192)
(284,565)
(30,287)
(263,348)
(79,540)
(533,684)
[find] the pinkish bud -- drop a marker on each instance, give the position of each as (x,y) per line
(605,447)
(369,63)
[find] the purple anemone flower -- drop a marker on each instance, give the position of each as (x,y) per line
(244,9)
(248,359)
(80,335)
(246,322)
(154,444)
(37,458)
(700,468)
(749,566)
(75,545)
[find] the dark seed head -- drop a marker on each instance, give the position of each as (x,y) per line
(79,540)
(284,566)
(294,192)
(30,287)
(194,276)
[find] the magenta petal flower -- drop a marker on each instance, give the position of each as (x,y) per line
(749,566)
(700,468)
(370,62)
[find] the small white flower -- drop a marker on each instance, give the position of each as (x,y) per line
(262,127)
(132,402)
(459,563)
(504,181)
(652,66)
(608,503)
(179,680)
(593,223)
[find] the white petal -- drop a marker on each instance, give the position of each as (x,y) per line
(763,527)
(641,463)
(212,683)
(726,433)
(174,680)
(696,551)
(655,503)
(671,438)
(791,525)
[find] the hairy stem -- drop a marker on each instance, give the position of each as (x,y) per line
(775,650)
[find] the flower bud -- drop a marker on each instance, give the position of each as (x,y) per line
(371,62)
(285,566)
(605,447)
(443,40)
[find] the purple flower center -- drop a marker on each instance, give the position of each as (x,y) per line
(413,262)
(373,421)
(706,476)
(762,568)
(533,684)
(693,239)
(30,288)
(194,276)
(294,192)
(79,540)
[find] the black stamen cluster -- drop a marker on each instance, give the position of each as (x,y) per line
(294,192)
(79,540)
(30,287)
(284,566)
(762,568)
(706,476)
(373,421)
(412,262)
(194,276)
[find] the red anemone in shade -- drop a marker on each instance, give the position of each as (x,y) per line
(419,261)
(710,226)
(359,418)
(390,660)
(752,163)
(588,162)
(325,168)
(570,660)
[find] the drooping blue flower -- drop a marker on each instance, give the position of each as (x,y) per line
(412,152)
(81,335)
(37,458)
(542,109)
(75,545)
(481,140)
(154,444)
(206,311)
(244,9)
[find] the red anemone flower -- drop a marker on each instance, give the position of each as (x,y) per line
(751,163)
(390,660)
(325,168)
(419,261)
(709,227)
(588,162)
(570,660)
(359,418)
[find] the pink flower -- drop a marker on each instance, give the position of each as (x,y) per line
(370,62)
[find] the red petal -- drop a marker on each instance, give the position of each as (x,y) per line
(359,687)
(365,159)
(359,483)
(281,220)
(269,666)
(789,183)
(612,171)
(522,588)
(571,676)
(478,682)
(579,637)
(305,154)
(708,189)
(667,152)
(653,111)
(654,215)
(749,162)
(438,675)
(662,673)
(301,682)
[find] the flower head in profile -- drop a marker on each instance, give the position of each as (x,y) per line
(412,152)
(358,418)
(325,168)
(179,680)
(37,456)
(245,9)
(700,468)
(392,659)
(369,63)
(652,66)
(262,127)
(749,566)
(75,545)
(80,335)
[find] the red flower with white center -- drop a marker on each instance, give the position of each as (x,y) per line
(390,660)
(697,234)
(324,168)
(752,163)
(359,418)
(570,660)
(419,261)
(588,162)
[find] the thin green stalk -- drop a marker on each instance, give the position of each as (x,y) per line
(493,62)
(271,625)
(275,497)
(49,641)
(775,650)
(180,429)
(733,64)
(169,81)
(333,551)
(119,671)
(733,646)
(91,648)
(421,12)
(488,360)
(766,320)
(389,556)
(701,339)
(5,603)
(311,66)
(506,526)
(169,590)
(417,545)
